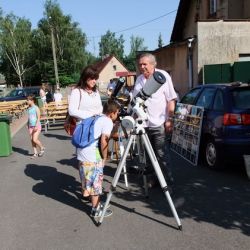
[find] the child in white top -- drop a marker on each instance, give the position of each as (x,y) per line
(92,158)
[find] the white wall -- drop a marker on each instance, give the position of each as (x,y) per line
(222,42)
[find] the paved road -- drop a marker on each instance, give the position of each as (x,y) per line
(40,205)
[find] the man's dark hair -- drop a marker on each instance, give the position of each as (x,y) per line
(89,72)
(110,106)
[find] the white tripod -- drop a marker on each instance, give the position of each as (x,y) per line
(137,133)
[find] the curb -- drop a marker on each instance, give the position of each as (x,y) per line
(16,125)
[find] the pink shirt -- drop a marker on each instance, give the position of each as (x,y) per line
(157,103)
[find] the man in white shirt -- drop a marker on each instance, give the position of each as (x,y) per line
(160,109)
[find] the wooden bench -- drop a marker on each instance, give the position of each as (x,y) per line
(54,114)
(14,108)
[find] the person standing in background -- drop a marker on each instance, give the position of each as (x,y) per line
(111,87)
(58,97)
(42,93)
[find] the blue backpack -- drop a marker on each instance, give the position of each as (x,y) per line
(84,133)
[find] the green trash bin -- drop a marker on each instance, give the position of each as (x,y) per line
(5,136)
(39,102)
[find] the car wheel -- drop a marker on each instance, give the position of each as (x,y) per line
(212,156)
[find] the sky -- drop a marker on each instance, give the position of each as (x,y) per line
(143,18)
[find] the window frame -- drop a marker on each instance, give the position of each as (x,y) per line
(212,7)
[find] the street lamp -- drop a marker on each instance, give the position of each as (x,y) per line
(54,55)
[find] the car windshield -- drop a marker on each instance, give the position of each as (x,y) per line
(241,98)
(15,92)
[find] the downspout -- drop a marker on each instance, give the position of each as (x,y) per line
(190,62)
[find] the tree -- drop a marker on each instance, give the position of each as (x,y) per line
(160,41)
(70,43)
(110,45)
(15,39)
(136,44)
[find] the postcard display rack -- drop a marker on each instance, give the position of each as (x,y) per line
(187,131)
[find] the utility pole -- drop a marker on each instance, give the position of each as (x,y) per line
(54,57)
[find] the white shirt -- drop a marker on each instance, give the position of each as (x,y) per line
(111,86)
(157,103)
(90,104)
(103,125)
(58,97)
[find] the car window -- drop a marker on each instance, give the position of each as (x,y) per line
(241,98)
(206,97)
(20,93)
(218,101)
(12,93)
(190,97)
(32,91)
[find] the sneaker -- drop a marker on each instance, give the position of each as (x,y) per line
(41,152)
(98,213)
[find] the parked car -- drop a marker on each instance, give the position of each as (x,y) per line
(225,132)
(20,94)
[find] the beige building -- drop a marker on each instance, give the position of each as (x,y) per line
(110,68)
(205,32)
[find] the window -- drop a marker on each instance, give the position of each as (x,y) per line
(244,57)
(206,97)
(241,98)
(212,7)
(114,67)
(218,101)
(190,97)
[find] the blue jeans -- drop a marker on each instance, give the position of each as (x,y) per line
(160,142)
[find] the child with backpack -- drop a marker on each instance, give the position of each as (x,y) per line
(92,158)
(34,126)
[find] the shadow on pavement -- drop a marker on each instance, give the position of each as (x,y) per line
(57,136)
(56,185)
(20,151)
(73,162)
(220,198)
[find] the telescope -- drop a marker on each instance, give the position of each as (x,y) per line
(137,105)
(118,87)
(136,124)
(151,86)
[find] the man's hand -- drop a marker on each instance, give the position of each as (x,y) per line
(169,126)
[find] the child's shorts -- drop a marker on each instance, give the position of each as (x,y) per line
(91,174)
(31,129)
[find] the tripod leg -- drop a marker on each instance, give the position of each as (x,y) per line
(145,185)
(142,160)
(117,175)
(160,177)
(121,141)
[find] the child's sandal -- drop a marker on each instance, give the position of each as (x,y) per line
(41,152)
(34,156)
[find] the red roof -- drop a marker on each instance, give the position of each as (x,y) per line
(125,73)
(101,64)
